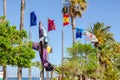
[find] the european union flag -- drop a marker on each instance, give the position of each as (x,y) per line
(33,19)
(79,33)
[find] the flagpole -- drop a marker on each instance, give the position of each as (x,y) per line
(30,34)
(62,51)
(29,69)
(47,72)
(42,71)
(62,45)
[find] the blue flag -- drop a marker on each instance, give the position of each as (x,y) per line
(79,33)
(33,19)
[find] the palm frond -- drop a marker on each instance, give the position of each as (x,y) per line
(77,7)
(65,10)
(102,32)
(78,13)
(83,6)
(106,29)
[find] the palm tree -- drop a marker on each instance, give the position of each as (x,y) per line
(108,58)
(102,33)
(104,37)
(75,9)
(21,28)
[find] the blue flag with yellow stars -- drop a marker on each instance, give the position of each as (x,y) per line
(33,19)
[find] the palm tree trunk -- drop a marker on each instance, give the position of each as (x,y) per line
(52,74)
(42,74)
(4,9)
(81,77)
(73,28)
(47,75)
(86,77)
(29,74)
(4,74)
(19,73)
(73,32)
(22,14)
(96,44)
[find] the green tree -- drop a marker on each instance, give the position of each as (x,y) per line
(8,38)
(37,64)
(3,43)
(112,59)
(14,51)
(107,47)
(103,35)
(75,9)
(24,55)
(116,55)
(81,64)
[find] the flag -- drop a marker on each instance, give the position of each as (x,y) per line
(51,25)
(79,33)
(33,19)
(65,19)
(91,37)
(1,75)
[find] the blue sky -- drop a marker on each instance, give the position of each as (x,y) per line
(107,11)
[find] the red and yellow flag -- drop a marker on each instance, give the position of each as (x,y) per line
(65,19)
(51,25)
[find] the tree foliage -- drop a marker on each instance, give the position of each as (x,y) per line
(13,50)
(37,64)
(82,60)
(107,50)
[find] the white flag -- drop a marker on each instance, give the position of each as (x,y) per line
(1,75)
(90,37)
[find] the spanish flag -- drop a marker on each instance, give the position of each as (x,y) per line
(65,19)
